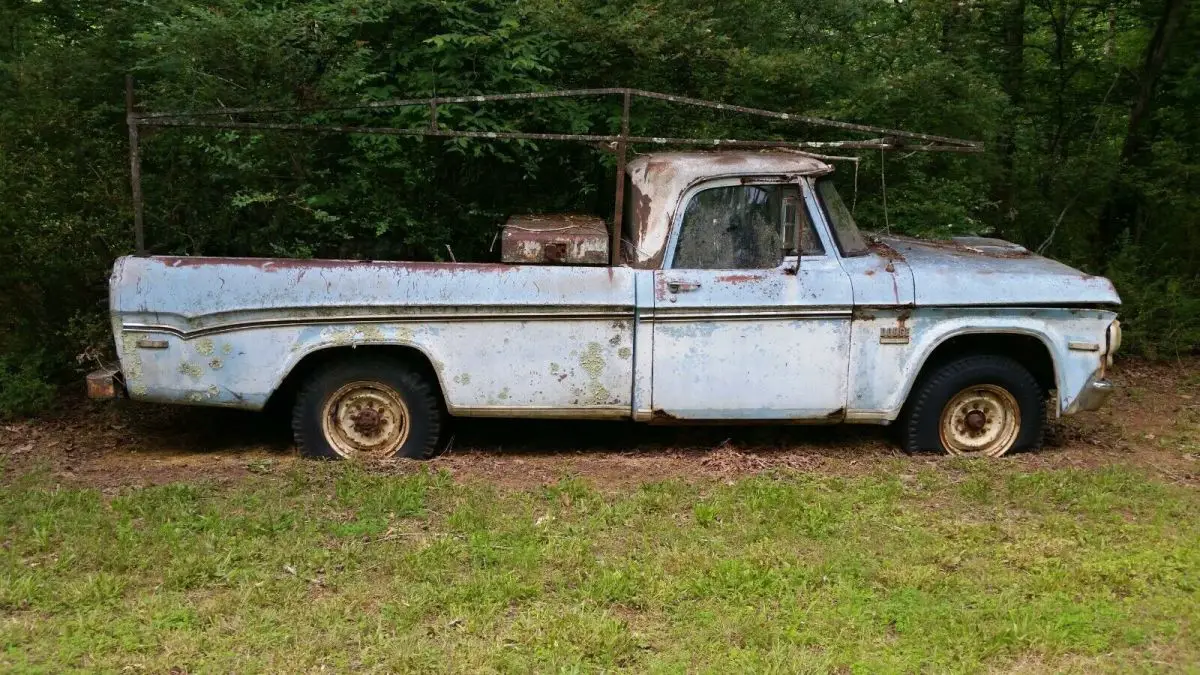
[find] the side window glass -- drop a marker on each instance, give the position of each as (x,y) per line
(741,227)
(810,243)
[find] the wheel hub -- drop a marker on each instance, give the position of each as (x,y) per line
(976,419)
(368,421)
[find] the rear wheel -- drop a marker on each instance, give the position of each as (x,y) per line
(985,405)
(368,408)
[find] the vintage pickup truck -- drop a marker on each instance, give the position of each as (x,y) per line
(744,293)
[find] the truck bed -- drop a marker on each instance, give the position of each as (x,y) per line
(503,340)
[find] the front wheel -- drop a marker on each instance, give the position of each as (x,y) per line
(985,405)
(367,409)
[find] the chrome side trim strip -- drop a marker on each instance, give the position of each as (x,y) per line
(457,317)
(669,316)
(751,315)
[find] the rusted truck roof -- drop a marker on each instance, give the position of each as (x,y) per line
(659,181)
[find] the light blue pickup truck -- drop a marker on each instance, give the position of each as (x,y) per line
(744,292)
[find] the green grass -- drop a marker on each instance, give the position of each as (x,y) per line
(966,567)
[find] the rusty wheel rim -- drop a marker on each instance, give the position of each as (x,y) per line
(982,419)
(365,419)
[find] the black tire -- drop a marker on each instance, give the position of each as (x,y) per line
(424,411)
(920,421)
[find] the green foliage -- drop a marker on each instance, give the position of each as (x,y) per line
(1162,318)
(1054,111)
(23,387)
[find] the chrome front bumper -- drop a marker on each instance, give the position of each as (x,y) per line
(1093,396)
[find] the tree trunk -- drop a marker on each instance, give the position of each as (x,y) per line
(1121,210)
(952,24)
(1011,79)
(1156,54)
(1111,41)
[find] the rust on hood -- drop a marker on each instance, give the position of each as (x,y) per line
(968,246)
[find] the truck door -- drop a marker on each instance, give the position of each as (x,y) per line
(752,309)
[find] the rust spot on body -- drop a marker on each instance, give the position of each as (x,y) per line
(884,251)
(641,206)
(739,278)
(660,169)
(662,416)
(727,159)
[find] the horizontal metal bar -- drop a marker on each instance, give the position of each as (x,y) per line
(396,103)
(819,121)
(570,93)
(386,131)
(875,144)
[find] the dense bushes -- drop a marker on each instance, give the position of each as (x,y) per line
(1050,86)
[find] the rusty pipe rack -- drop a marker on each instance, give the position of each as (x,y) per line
(888,139)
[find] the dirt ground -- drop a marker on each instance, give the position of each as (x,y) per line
(1152,422)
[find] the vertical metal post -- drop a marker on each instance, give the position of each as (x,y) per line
(135,167)
(614,252)
(433,123)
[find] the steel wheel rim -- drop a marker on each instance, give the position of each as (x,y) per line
(365,419)
(983,419)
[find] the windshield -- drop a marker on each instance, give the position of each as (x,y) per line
(849,239)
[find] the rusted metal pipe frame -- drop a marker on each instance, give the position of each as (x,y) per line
(574,93)
(135,167)
(817,121)
(892,138)
(872,144)
(387,131)
(614,249)
(397,103)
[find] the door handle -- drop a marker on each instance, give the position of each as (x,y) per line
(682,286)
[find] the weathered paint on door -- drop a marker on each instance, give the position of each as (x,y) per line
(751,344)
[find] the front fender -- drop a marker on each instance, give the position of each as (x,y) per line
(883,375)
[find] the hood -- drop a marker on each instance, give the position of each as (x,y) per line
(982,271)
